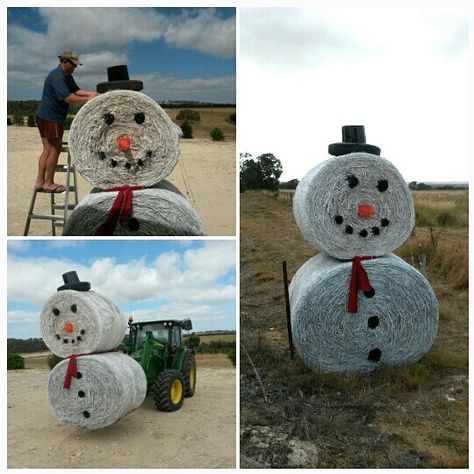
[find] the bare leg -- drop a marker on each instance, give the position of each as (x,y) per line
(54,149)
(40,178)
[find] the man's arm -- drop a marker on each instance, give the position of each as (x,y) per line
(75,98)
(85,93)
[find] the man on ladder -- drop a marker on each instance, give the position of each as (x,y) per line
(59,91)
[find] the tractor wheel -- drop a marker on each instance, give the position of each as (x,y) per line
(168,390)
(189,374)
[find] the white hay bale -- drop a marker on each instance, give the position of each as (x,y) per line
(398,323)
(81,322)
(328,200)
(110,386)
(154,140)
(156,211)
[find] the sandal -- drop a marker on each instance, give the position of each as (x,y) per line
(57,189)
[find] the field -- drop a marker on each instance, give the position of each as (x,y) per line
(205,174)
(210,118)
(200,435)
(207,338)
(413,416)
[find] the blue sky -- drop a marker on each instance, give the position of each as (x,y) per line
(179,53)
(147,279)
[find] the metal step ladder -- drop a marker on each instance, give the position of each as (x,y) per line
(57,217)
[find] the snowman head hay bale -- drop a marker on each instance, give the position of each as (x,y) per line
(123,137)
(355,204)
(106,387)
(76,320)
(394,326)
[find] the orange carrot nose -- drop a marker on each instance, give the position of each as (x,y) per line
(365,210)
(124,143)
(68,327)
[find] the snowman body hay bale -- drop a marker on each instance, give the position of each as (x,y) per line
(156,211)
(110,386)
(328,200)
(102,127)
(81,322)
(396,326)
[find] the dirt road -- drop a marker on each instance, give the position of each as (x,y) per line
(205,174)
(200,435)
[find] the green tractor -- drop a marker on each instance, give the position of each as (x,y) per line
(169,365)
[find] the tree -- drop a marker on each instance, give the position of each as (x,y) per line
(292,184)
(271,169)
(187,129)
(189,115)
(262,173)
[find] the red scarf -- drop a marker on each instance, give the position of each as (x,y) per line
(121,209)
(359,281)
(71,370)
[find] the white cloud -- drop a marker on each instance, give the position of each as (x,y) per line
(191,277)
(206,33)
(214,89)
(202,316)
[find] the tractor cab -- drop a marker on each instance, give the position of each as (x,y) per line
(168,332)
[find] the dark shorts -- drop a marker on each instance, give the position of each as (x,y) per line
(49,130)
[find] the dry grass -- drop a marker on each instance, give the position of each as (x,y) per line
(412,416)
(210,118)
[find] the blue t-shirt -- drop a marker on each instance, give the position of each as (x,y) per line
(57,86)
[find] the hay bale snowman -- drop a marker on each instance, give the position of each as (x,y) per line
(125,145)
(95,385)
(356,305)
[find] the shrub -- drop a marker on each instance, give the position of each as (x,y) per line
(187,130)
(231,355)
(31,121)
(9,121)
(217,134)
(193,340)
(189,115)
(18,120)
(53,360)
(15,361)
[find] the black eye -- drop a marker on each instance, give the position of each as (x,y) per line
(109,118)
(140,117)
(74,308)
(382,185)
(352,181)
(56,311)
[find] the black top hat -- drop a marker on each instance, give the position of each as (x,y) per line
(118,78)
(353,140)
(71,282)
